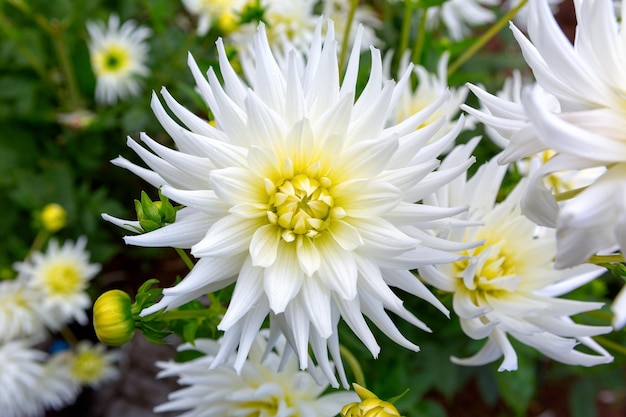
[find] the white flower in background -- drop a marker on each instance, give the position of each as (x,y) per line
(459,16)
(21,369)
(521,18)
(302,196)
(504,117)
(339,12)
(90,364)
(264,387)
(118,58)
(209,12)
(588,80)
(57,388)
(508,286)
(19,315)
(429,89)
(61,275)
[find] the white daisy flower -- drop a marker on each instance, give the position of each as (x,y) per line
(459,16)
(62,275)
(209,12)
(264,387)
(587,80)
(21,370)
(118,58)
(301,196)
(19,315)
(57,389)
(508,285)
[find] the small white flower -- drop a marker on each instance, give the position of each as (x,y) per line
(91,364)
(21,370)
(508,285)
(302,196)
(264,387)
(459,16)
(211,11)
(57,388)
(19,315)
(118,58)
(61,275)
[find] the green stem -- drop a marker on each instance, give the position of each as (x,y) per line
(421,37)
(485,37)
(606,259)
(56,33)
(405,31)
(38,243)
(346,33)
(359,377)
(186,259)
(611,345)
(69,336)
(186,314)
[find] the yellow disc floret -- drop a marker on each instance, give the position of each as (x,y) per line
(301,206)
(112,60)
(113,319)
(63,278)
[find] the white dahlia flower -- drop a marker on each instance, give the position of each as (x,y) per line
(508,285)
(21,369)
(459,16)
(19,312)
(263,387)
(118,58)
(302,196)
(61,275)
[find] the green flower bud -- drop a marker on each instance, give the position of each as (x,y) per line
(113,318)
(153,215)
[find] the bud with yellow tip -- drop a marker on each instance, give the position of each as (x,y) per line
(53,217)
(370,405)
(113,318)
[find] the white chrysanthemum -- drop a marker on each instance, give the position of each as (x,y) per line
(57,389)
(21,369)
(91,364)
(301,196)
(429,89)
(587,80)
(62,275)
(224,12)
(264,387)
(504,117)
(459,16)
(507,286)
(19,315)
(118,57)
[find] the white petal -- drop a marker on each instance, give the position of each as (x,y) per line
(283,279)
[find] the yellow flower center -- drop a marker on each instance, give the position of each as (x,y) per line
(301,206)
(63,279)
(88,366)
(112,60)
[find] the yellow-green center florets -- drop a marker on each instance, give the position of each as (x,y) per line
(112,60)
(63,279)
(301,205)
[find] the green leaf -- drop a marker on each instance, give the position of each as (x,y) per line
(582,399)
(517,388)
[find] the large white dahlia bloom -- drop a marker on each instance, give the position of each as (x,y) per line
(508,285)
(302,196)
(264,387)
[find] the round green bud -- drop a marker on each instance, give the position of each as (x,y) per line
(113,319)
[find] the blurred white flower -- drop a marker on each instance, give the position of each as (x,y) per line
(263,387)
(118,58)
(21,370)
(19,315)
(302,196)
(459,16)
(222,12)
(521,18)
(508,285)
(339,12)
(430,87)
(90,364)
(56,387)
(61,275)
(587,79)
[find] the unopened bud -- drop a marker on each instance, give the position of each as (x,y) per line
(113,318)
